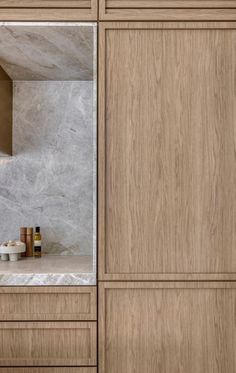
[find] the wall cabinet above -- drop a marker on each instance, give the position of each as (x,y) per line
(142,10)
(48,10)
(171,10)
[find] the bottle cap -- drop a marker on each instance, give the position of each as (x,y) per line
(29,230)
(37,229)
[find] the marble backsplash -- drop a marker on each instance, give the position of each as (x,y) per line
(49,181)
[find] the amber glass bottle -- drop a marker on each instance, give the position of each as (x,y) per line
(37,243)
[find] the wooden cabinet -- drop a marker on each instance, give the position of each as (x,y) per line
(48,10)
(167,10)
(48,303)
(167,206)
(49,370)
(45,342)
(48,343)
(167,327)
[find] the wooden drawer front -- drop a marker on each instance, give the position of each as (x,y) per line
(49,370)
(48,303)
(48,10)
(47,344)
(167,327)
(167,9)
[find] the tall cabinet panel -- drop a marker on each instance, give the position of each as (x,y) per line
(167,196)
(167,151)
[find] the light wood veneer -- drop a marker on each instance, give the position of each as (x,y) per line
(167,203)
(48,10)
(48,343)
(167,327)
(171,10)
(48,303)
(49,370)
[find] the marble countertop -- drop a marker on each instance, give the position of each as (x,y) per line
(49,270)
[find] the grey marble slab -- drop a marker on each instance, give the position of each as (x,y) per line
(47,51)
(51,179)
(48,270)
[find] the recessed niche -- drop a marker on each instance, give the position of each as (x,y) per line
(6,101)
(48,79)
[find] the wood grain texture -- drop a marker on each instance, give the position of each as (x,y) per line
(153,4)
(48,303)
(189,10)
(48,10)
(47,344)
(167,328)
(6,99)
(84,4)
(49,370)
(167,151)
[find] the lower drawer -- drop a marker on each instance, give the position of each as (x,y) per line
(49,370)
(48,344)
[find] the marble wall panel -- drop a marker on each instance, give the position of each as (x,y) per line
(50,179)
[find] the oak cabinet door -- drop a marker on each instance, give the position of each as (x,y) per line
(167,175)
(167,327)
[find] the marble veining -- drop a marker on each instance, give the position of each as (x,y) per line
(47,52)
(51,179)
(48,270)
(68,279)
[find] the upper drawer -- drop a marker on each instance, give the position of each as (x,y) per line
(167,10)
(48,303)
(48,10)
